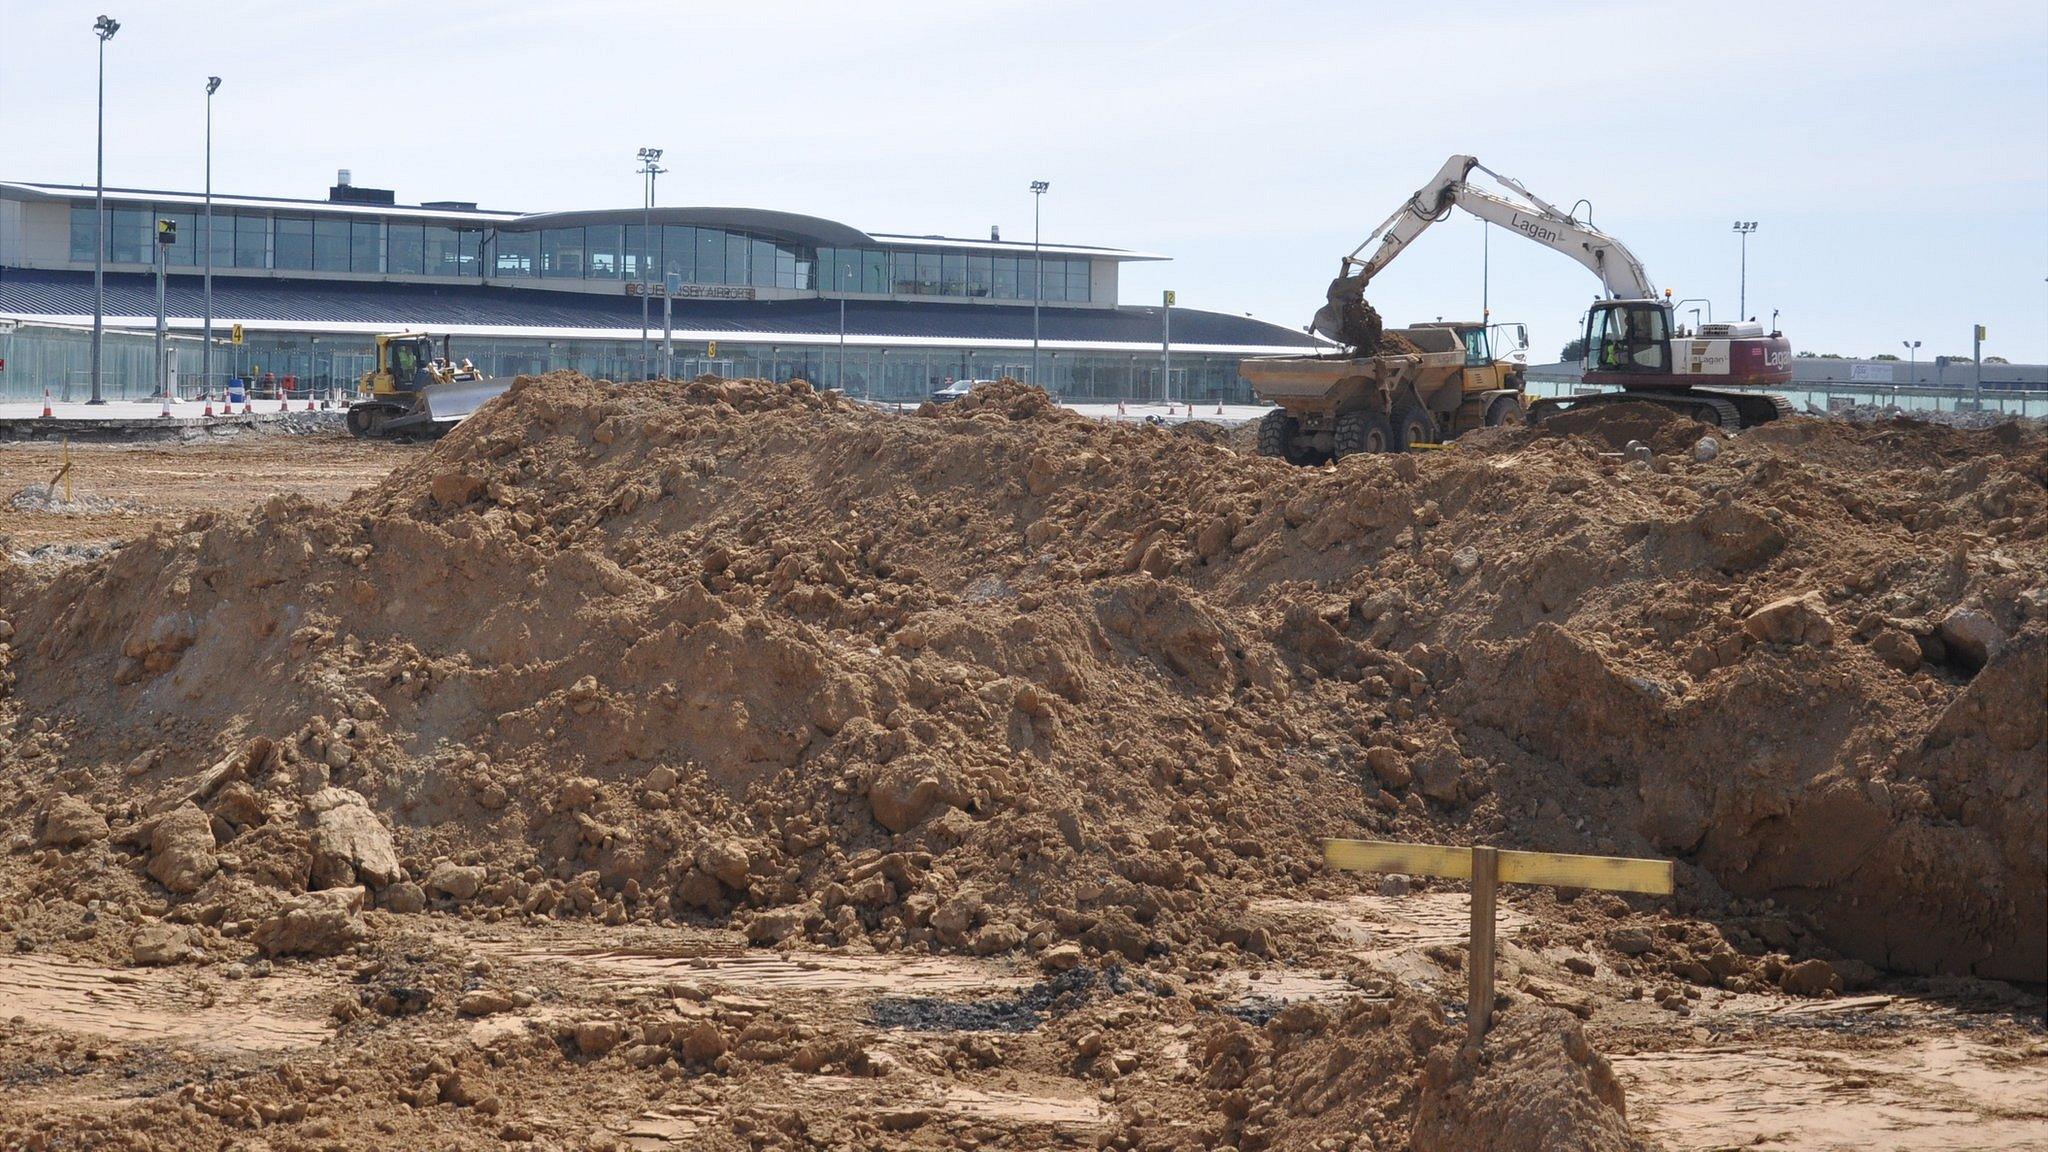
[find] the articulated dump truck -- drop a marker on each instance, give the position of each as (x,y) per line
(1424,385)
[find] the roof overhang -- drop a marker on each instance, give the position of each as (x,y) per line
(792,226)
(465,218)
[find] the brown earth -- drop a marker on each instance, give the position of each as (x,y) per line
(994,681)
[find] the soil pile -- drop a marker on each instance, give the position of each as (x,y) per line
(995,679)
(997,676)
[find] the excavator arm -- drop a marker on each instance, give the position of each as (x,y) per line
(1346,319)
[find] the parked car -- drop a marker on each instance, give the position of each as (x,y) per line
(956,390)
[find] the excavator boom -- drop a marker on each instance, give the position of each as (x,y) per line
(1620,273)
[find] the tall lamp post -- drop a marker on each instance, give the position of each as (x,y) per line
(650,167)
(1744,228)
(104,28)
(1038,189)
(206,343)
(1912,348)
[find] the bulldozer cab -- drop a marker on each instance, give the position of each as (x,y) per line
(404,364)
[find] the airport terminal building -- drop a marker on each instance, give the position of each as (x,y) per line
(759,293)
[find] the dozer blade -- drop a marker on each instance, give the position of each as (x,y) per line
(448,403)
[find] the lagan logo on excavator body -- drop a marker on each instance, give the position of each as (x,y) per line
(1533,230)
(1774,359)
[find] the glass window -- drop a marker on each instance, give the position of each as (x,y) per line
(763,267)
(735,258)
(223,237)
(84,233)
(252,242)
(561,253)
(518,254)
(330,245)
(365,247)
(874,271)
(444,251)
(1078,272)
(806,271)
(978,275)
(953,274)
(601,251)
(405,250)
(1053,281)
(635,248)
(928,273)
(710,256)
(679,251)
(1005,277)
(128,236)
(294,244)
(903,273)
(468,250)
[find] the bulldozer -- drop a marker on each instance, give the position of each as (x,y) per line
(415,393)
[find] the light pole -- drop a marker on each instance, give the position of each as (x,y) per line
(1038,189)
(104,28)
(650,168)
(1912,348)
(1744,227)
(206,343)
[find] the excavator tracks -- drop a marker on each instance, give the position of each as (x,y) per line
(1730,411)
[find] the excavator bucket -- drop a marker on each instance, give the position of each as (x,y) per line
(448,403)
(1347,318)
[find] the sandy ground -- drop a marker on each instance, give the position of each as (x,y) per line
(120,491)
(1899,1069)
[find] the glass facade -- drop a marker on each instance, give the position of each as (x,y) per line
(397,247)
(258,240)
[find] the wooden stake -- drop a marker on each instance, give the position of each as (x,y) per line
(1479,965)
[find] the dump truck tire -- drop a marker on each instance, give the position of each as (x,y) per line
(1276,434)
(1413,425)
(1362,432)
(1505,410)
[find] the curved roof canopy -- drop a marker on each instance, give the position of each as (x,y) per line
(791,226)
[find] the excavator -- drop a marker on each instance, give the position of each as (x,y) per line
(1631,340)
(413,392)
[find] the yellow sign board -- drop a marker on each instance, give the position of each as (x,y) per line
(1170,297)
(235,334)
(1608,873)
(711,350)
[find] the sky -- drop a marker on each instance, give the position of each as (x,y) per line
(1893,155)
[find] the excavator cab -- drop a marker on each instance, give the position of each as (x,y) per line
(1629,337)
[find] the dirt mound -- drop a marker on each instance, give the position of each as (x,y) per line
(998,676)
(997,680)
(1615,425)
(1396,344)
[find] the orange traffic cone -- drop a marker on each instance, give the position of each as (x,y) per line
(209,403)
(47,413)
(166,413)
(1120,409)
(284,403)
(1219,407)
(309,404)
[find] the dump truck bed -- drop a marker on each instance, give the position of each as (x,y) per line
(1317,381)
